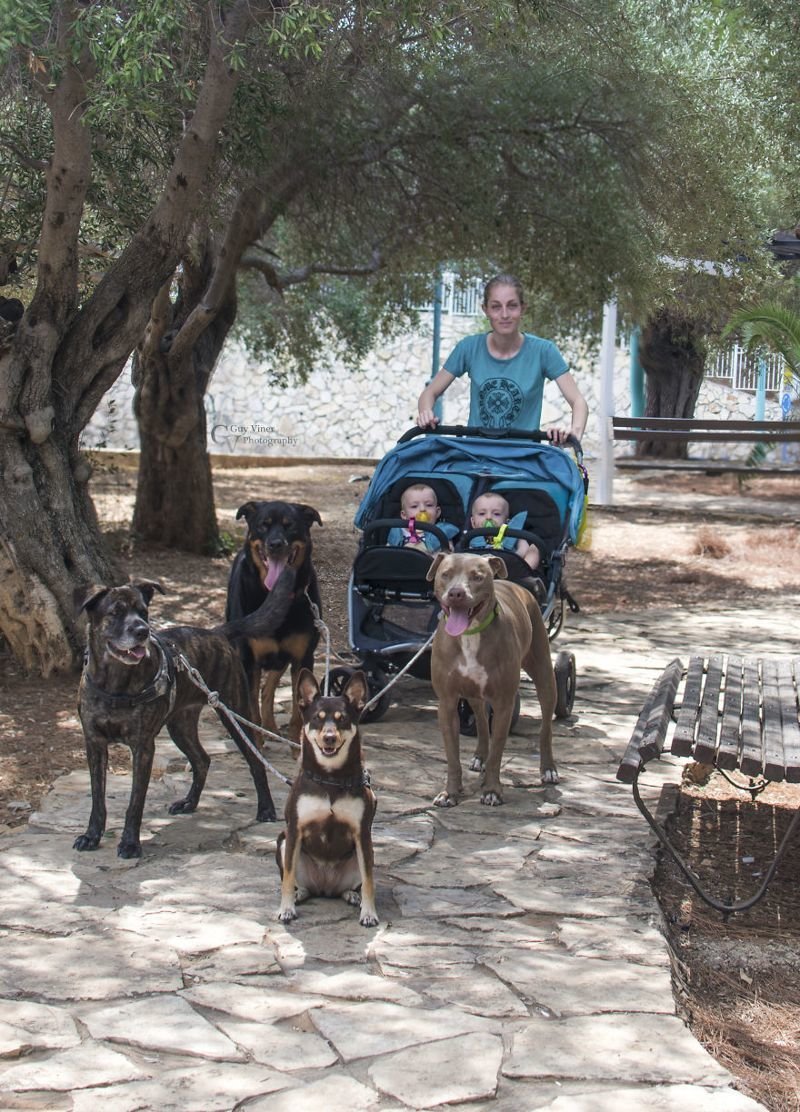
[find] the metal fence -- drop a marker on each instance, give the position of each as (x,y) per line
(737,366)
(460,299)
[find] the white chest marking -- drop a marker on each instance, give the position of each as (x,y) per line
(468,665)
(312,808)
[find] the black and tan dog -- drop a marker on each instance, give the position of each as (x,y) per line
(489,631)
(326,849)
(273,530)
(131,687)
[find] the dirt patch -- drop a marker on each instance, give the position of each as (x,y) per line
(737,982)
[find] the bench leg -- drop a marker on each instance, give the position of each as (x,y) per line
(725,908)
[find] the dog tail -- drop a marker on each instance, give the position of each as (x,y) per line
(265,621)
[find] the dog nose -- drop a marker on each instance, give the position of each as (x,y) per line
(456,594)
(275,544)
(138,629)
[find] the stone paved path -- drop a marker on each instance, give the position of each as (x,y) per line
(518,965)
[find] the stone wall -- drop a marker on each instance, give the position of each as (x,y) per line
(345,414)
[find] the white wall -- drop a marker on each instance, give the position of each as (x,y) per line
(341,413)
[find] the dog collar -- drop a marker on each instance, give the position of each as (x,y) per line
(481,626)
(163,683)
(362,781)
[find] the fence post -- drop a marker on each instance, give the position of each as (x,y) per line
(608,345)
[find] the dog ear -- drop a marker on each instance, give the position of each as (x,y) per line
(307,688)
(246,511)
(498,566)
(147,588)
(310,514)
(357,690)
(86,598)
(434,565)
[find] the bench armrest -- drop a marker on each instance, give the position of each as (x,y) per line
(647,739)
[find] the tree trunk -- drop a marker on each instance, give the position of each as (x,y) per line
(175,494)
(66,352)
(673,356)
(49,544)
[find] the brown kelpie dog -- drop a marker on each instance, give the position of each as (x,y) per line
(326,849)
(273,530)
(488,632)
(131,686)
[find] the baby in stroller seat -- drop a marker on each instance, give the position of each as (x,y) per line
(491,510)
(418,502)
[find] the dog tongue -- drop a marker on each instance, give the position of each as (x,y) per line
(457,621)
(274,569)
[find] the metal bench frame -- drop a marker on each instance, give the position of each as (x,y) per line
(735,714)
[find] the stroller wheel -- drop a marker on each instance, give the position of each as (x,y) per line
(377,680)
(339,678)
(566,674)
(466,717)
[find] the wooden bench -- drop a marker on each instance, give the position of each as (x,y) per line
(699,429)
(738,714)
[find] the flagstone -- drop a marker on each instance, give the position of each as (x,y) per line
(444,1072)
(163,1023)
(366,1030)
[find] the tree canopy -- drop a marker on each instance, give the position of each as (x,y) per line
(149,153)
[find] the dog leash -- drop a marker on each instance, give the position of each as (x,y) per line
(213,700)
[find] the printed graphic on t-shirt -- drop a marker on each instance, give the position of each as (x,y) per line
(499,403)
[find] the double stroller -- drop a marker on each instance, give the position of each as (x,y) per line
(391,605)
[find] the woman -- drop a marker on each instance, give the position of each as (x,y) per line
(507,369)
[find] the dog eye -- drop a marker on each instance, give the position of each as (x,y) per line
(337,715)
(321,715)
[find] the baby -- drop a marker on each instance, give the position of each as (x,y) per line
(418,502)
(491,510)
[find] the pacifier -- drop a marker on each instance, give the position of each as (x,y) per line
(423,515)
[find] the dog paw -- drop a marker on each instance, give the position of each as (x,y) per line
(368,919)
(182,807)
(129,850)
(353,897)
(287,914)
(266,814)
(549,776)
(86,841)
(476,765)
(444,799)
(492,799)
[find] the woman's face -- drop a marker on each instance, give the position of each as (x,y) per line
(504,309)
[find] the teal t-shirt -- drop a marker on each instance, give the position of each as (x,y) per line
(506,393)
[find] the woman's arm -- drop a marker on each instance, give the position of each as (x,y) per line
(577,403)
(426,419)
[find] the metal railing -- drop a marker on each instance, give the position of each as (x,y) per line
(459,299)
(737,366)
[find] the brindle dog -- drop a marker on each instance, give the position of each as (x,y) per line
(131,687)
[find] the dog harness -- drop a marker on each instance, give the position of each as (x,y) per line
(362,781)
(163,683)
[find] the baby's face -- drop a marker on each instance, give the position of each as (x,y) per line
(489,507)
(419,502)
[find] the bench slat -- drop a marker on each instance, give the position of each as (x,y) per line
(774,764)
(695,428)
(730,732)
(751,762)
(683,738)
(791,722)
(705,749)
(647,739)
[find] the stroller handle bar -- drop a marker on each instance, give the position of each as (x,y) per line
(535,435)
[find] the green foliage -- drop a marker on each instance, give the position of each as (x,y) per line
(773,325)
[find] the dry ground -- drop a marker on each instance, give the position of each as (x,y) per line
(737,983)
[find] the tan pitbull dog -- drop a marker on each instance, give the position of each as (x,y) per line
(488,632)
